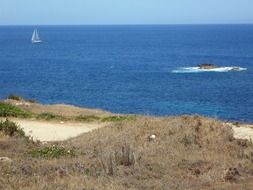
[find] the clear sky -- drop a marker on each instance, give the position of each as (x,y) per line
(31,12)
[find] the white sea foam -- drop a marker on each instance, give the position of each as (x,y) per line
(199,70)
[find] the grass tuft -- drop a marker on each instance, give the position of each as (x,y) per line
(120,157)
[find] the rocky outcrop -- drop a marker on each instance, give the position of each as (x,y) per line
(207,66)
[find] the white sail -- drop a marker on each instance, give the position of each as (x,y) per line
(35,37)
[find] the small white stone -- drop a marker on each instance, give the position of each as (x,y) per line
(152,136)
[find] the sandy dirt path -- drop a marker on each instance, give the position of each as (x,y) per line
(55,131)
(60,131)
(243,131)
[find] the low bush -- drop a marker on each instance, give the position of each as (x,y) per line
(49,116)
(118,118)
(51,152)
(15,97)
(188,140)
(11,129)
(8,110)
(20,98)
(87,118)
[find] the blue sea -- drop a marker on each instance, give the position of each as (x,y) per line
(132,69)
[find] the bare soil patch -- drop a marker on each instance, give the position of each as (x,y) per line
(55,130)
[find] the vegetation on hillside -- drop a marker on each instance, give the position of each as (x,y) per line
(50,152)
(8,110)
(11,129)
(184,153)
(118,118)
(19,98)
(50,116)
(15,97)
(14,109)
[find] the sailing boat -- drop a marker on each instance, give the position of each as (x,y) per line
(35,37)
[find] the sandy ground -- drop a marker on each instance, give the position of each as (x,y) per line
(242,131)
(55,131)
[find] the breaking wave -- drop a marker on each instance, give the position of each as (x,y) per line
(199,70)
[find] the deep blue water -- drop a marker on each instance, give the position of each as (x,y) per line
(128,69)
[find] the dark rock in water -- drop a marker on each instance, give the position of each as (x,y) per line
(207,66)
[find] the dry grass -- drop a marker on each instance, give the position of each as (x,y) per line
(16,106)
(188,153)
(55,109)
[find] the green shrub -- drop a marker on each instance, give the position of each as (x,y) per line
(15,97)
(20,98)
(118,118)
(11,129)
(51,152)
(8,110)
(49,116)
(87,118)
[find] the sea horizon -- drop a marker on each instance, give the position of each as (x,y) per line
(154,24)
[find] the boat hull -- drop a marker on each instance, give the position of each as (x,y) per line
(36,41)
